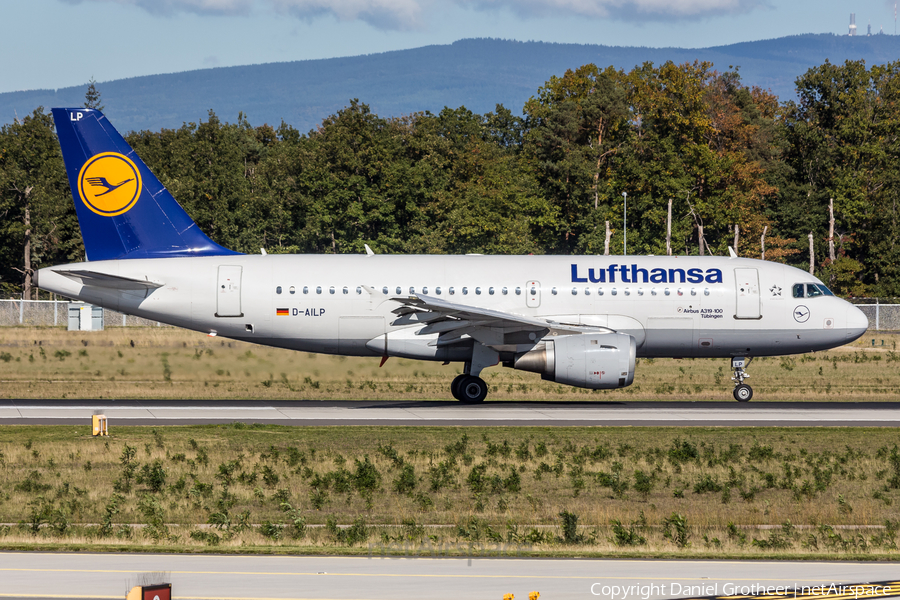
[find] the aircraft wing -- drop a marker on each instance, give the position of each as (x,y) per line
(105,280)
(458,322)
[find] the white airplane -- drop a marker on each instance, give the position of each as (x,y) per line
(576,320)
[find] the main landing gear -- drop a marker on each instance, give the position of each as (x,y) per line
(742,391)
(469,389)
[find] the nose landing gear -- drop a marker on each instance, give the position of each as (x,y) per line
(742,391)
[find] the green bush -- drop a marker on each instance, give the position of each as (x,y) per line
(152,475)
(350,536)
(271,530)
(626,536)
(569,526)
(405,483)
(675,530)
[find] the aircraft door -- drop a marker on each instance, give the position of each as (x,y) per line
(228,292)
(533,294)
(746,283)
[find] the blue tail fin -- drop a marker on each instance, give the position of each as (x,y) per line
(123,209)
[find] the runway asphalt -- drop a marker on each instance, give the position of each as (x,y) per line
(207,577)
(411,413)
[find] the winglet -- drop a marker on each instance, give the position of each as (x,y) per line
(368,250)
(731,252)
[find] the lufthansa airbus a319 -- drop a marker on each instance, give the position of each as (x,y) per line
(579,321)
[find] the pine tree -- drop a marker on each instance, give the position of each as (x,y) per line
(92,96)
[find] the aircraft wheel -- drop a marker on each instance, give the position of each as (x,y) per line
(454,385)
(472,390)
(743,393)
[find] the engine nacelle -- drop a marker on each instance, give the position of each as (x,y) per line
(595,361)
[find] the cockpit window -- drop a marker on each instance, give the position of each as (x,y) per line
(824,290)
(811,290)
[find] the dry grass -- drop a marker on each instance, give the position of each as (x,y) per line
(174,363)
(820,489)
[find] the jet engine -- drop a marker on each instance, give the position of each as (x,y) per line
(595,361)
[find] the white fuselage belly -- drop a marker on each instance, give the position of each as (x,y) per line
(341,304)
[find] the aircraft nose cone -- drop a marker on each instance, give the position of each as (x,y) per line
(857,322)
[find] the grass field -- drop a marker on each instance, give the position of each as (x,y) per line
(583,491)
(823,492)
(174,363)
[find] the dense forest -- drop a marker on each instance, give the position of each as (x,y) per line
(739,167)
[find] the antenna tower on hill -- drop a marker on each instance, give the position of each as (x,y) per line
(852,24)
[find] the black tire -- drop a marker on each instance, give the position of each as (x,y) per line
(454,385)
(472,390)
(743,393)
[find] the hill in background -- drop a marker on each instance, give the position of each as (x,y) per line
(475,73)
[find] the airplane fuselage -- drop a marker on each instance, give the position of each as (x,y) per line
(342,304)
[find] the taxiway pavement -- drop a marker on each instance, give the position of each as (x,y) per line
(204,577)
(556,414)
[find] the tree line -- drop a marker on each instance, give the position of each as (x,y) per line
(706,161)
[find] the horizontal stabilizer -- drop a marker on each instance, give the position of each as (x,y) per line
(105,280)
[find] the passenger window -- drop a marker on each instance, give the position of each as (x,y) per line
(346,291)
(452,290)
(553,291)
(425,290)
(534,291)
(798,290)
(706,291)
(331,290)
(384,290)
(693,292)
(293,290)
(277,290)
(613,291)
(574,292)
(477,291)
(812,290)
(412,290)
(640,291)
(667,292)
(627,292)
(305,289)
(399,290)
(518,291)
(491,291)
(465,290)
(587,291)
(504,291)
(652,291)
(437,291)
(599,291)
(318,289)
(358,289)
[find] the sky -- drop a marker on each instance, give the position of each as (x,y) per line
(61,43)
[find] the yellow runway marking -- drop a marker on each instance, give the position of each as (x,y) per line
(98,597)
